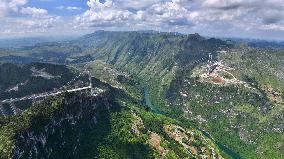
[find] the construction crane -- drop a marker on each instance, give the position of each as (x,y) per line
(214,67)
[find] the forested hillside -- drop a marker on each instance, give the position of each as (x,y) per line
(110,125)
(250,114)
(166,83)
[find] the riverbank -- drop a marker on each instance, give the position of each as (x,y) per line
(151,107)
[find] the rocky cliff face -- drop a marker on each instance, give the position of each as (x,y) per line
(60,136)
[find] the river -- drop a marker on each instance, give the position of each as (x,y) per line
(154,109)
(149,104)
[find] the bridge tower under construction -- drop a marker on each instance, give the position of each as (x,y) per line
(90,80)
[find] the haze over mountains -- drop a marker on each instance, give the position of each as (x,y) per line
(30,41)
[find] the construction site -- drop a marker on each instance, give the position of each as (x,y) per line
(216,72)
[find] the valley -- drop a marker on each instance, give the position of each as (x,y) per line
(157,95)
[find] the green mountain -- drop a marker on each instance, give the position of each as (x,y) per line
(164,89)
(109,125)
(248,110)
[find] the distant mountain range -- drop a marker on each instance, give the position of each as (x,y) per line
(30,41)
(269,44)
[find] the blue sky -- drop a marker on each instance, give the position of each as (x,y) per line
(218,18)
(53,6)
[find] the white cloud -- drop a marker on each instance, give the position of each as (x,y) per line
(103,14)
(113,14)
(211,17)
(34,12)
(169,13)
(137,5)
(29,26)
(19,19)
(245,11)
(70,8)
(10,6)
(96,4)
(73,8)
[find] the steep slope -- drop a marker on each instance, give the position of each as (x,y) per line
(155,58)
(19,80)
(22,80)
(166,65)
(244,113)
(110,125)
